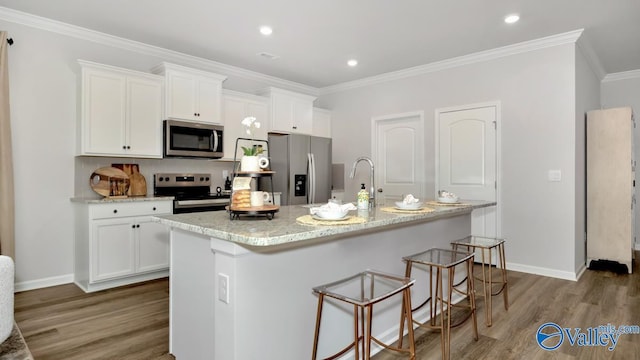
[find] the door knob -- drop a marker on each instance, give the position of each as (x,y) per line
(379,190)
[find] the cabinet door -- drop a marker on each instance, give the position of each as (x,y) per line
(301,116)
(208,101)
(234,112)
(321,125)
(261,112)
(181,96)
(281,115)
(144,115)
(112,249)
(153,245)
(103,113)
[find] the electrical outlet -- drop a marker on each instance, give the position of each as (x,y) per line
(223,288)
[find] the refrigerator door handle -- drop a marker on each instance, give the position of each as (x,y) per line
(309,184)
(313,179)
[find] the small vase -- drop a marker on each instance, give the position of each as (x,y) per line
(249,163)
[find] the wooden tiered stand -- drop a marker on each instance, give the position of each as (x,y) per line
(266,210)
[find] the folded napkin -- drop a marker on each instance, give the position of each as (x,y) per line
(409,199)
(333,207)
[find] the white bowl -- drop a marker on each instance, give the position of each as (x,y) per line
(330,214)
(448,200)
(402,205)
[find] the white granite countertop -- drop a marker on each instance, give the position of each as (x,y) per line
(258,231)
(106,200)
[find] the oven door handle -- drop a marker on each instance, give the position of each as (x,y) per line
(194,203)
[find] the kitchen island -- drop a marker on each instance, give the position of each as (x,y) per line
(241,289)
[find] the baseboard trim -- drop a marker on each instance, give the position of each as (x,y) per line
(535,270)
(43,283)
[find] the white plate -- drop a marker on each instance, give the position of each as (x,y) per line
(408,209)
(315,217)
(448,200)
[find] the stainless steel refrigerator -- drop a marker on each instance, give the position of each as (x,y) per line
(302,166)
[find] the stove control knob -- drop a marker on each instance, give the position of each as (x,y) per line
(201,178)
(207,178)
(166,179)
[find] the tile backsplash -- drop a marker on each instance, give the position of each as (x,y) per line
(86,165)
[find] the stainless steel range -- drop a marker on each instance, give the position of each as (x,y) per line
(192,192)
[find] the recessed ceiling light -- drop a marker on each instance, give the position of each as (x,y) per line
(352,62)
(510,19)
(266,30)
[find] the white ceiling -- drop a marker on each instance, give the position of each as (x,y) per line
(315,38)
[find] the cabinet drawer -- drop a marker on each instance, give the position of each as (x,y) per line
(123,209)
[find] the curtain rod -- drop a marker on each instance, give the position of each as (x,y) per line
(10,41)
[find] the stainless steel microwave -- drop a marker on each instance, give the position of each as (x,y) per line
(192,139)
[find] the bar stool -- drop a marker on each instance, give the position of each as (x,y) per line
(485,244)
(444,260)
(362,291)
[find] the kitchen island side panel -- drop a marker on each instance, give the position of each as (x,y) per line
(271,310)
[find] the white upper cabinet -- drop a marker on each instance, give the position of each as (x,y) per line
(191,94)
(235,107)
(121,112)
(321,123)
(290,112)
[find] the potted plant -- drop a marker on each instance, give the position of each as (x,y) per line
(250,161)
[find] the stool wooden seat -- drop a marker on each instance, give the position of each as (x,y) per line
(363,290)
(486,246)
(444,260)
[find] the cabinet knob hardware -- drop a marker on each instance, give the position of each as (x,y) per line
(379,190)
(138,226)
(115,211)
(124,147)
(133,226)
(128,147)
(154,208)
(295,127)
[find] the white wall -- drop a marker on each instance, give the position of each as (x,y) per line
(43,90)
(619,91)
(587,98)
(537,93)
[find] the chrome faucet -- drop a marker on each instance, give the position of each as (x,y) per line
(372,191)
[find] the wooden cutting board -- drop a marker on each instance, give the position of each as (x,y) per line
(110,182)
(138,184)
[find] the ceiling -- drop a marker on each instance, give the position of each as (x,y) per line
(315,38)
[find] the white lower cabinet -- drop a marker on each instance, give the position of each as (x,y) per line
(118,243)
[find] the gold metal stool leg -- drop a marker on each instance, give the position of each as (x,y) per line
(317,332)
(503,266)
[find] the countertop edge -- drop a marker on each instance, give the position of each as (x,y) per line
(107,200)
(319,232)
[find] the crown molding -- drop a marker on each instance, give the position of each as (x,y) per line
(78,32)
(523,47)
(592,58)
(625,75)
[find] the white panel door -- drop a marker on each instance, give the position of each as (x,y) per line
(153,245)
(208,101)
(466,160)
(104,95)
(399,157)
(112,249)
(181,96)
(144,115)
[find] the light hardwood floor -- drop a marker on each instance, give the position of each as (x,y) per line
(63,322)
(131,322)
